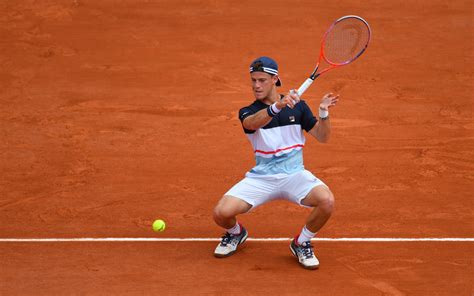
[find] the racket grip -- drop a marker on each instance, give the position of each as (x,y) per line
(305,86)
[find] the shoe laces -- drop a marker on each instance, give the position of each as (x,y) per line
(226,239)
(307,250)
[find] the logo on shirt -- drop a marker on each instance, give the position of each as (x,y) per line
(292,119)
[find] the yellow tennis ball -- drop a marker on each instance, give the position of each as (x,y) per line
(159,225)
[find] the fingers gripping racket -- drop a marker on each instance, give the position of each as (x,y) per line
(345,40)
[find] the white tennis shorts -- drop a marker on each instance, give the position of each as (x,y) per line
(259,189)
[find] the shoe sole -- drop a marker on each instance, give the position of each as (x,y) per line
(313,267)
(231,253)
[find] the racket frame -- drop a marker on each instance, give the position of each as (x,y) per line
(315,74)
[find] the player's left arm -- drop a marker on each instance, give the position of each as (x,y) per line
(322,130)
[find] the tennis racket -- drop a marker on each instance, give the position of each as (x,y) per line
(345,40)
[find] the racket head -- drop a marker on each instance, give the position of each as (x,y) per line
(345,40)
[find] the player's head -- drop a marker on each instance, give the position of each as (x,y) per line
(264,75)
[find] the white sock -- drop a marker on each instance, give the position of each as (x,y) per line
(235,229)
(305,235)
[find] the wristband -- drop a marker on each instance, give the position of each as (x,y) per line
(273,110)
(323,113)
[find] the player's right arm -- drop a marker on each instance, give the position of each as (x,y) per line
(257,120)
(262,117)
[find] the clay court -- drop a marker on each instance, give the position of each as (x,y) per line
(117,113)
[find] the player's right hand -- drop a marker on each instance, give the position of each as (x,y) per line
(290,100)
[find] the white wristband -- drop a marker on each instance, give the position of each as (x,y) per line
(323,113)
(275,108)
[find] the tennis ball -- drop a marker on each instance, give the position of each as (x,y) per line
(159,225)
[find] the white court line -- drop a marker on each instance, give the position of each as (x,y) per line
(191,239)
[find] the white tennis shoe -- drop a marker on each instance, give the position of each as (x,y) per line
(305,254)
(229,243)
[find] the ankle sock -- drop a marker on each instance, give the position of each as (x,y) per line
(305,235)
(234,230)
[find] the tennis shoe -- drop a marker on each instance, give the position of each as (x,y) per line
(305,254)
(230,242)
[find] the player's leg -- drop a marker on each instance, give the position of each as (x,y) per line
(227,209)
(247,194)
(309,191)
(321,199)
(225,216)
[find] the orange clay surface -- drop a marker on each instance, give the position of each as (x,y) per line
(116,113)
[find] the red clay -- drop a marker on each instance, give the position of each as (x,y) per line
(260,268)
(113,114)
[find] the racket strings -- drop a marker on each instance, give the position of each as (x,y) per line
(346,41)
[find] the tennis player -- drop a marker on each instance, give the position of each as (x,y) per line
(274,124)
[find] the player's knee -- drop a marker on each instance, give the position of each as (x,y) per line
(221,212)
(326,203)
(217,213)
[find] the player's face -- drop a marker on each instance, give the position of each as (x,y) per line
(262,84)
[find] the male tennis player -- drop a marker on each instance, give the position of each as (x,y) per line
(274,124)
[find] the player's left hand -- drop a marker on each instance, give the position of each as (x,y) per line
(329,100)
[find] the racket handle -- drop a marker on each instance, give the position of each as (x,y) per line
(304,86)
